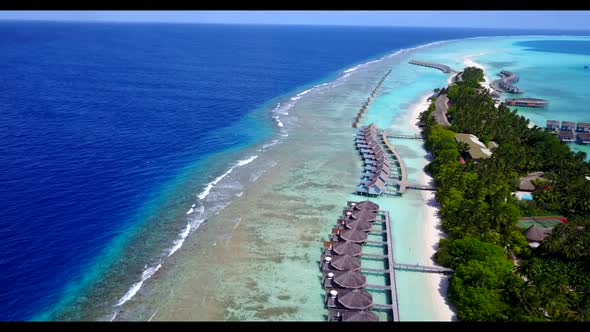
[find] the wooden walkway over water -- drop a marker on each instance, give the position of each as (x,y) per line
(403,136)
(441,67)
(402,165)
(403,183)
(420,186)
(365,106)
(390,262)
(423,268)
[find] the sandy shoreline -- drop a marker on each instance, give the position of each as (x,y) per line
(487,83)
(431,224)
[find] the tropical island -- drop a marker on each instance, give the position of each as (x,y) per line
(507,265)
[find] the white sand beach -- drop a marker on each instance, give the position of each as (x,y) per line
(431,225)
(486,84)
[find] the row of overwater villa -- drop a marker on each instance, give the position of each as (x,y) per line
(357,266)
(378,177)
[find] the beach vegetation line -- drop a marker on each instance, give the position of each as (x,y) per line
(499,274)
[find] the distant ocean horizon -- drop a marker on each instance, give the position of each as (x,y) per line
(112,134)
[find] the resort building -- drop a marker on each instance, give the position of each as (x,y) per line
(583,127)
(567,126)
(583,138)
(535,235)
(477,150)
(527,102)
(441,110)
(526,183)
(377,167)
(566,136)
(552,125)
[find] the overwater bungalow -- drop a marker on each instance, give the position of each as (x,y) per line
(527,102)
(346,262)
(347,248)
(567,126)
(357,299)
(368,217)
(566,136)
(350,279)
(358,316)
(353,235)
(382,175)
(383,166)
(375,187)
(583,138)
(364,205)
(583,127)
(360,214)
(552,125)
(359,225)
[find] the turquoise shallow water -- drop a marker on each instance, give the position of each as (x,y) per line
(257,258)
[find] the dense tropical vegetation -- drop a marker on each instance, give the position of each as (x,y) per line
(498,276)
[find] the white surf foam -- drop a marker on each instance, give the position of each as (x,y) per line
(350,70)
(246,161)
(299,95)
(178,242)
(191,210)
(210,185)
(147,273)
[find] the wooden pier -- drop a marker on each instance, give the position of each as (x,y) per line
(505,83)
(365,105)
(420,187)
(389,270)
(441,67)
(402,165)
(393,288)
(423,268)
(527,102)
(402,136)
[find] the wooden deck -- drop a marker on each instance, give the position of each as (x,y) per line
(423,268)
(441,67)
(402,136)
(390,262)
(402,165)
(420,187)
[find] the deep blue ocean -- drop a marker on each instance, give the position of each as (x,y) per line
(100,123)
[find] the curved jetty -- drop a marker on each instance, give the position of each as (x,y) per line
(509,78)
(527,102)
(441,67)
